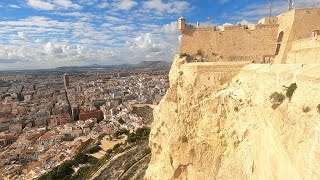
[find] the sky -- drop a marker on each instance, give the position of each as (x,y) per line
(39,34)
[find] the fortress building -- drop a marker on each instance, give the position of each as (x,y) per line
(221,108)
(280,39)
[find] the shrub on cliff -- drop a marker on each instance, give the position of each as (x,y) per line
(200,53)
(276,99)
(187,56)
(290,90)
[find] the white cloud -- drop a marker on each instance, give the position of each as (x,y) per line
(173,7)
(50,5)
(121,28)
(88,2)
(106,25)
(38,4)
(23,35)
(81,37)
(113,19)
(146,43)
(40,41)
(126,4)
(227,24)
(171,28)
(244,22)
(66,4)
(14,6)
(103,5)
(38,21)
(51,48)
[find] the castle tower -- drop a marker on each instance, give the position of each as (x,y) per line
(181,23)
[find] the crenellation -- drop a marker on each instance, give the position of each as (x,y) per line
(233,27)
(268,20)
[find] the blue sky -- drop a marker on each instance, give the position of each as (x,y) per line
(51,33)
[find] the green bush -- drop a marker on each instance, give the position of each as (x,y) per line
(139,134)
(80,158)
(290,90)
(109,151)
(143,132)
(116,146)
(276,99)
(60,172)
(94,149)
(120,132)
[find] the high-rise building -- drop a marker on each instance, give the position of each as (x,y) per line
(66,80)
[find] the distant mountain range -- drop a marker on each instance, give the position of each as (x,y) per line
(158,65)
(143,65)
(152,65)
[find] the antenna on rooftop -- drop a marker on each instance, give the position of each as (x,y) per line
(270,7)
(291,5)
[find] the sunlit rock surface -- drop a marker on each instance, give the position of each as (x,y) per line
(217,122)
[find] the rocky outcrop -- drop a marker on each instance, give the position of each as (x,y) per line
(220,121)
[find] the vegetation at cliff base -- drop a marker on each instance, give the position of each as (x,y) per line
(64,170)
(138,135)
(87,164)
(94,149)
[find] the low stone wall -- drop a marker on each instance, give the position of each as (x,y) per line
(211,73)
(306,51)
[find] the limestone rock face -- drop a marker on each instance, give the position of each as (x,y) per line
(217,122)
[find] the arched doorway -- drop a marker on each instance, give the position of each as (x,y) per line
(280,37)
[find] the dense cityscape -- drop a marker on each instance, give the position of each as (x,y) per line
(47,118)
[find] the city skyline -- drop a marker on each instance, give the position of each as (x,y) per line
(38,34)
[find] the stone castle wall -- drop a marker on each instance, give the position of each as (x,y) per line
(296,24)
(232,44)
(306,51)
(252,43)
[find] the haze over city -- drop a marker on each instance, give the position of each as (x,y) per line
(47,34)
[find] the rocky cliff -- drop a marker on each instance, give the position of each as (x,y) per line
(237,121)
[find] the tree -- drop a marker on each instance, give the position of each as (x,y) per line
(121,121)
(94,149)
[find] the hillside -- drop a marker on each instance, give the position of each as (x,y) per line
(156,65)
(153,65)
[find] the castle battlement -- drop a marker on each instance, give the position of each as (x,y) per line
(268,40)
